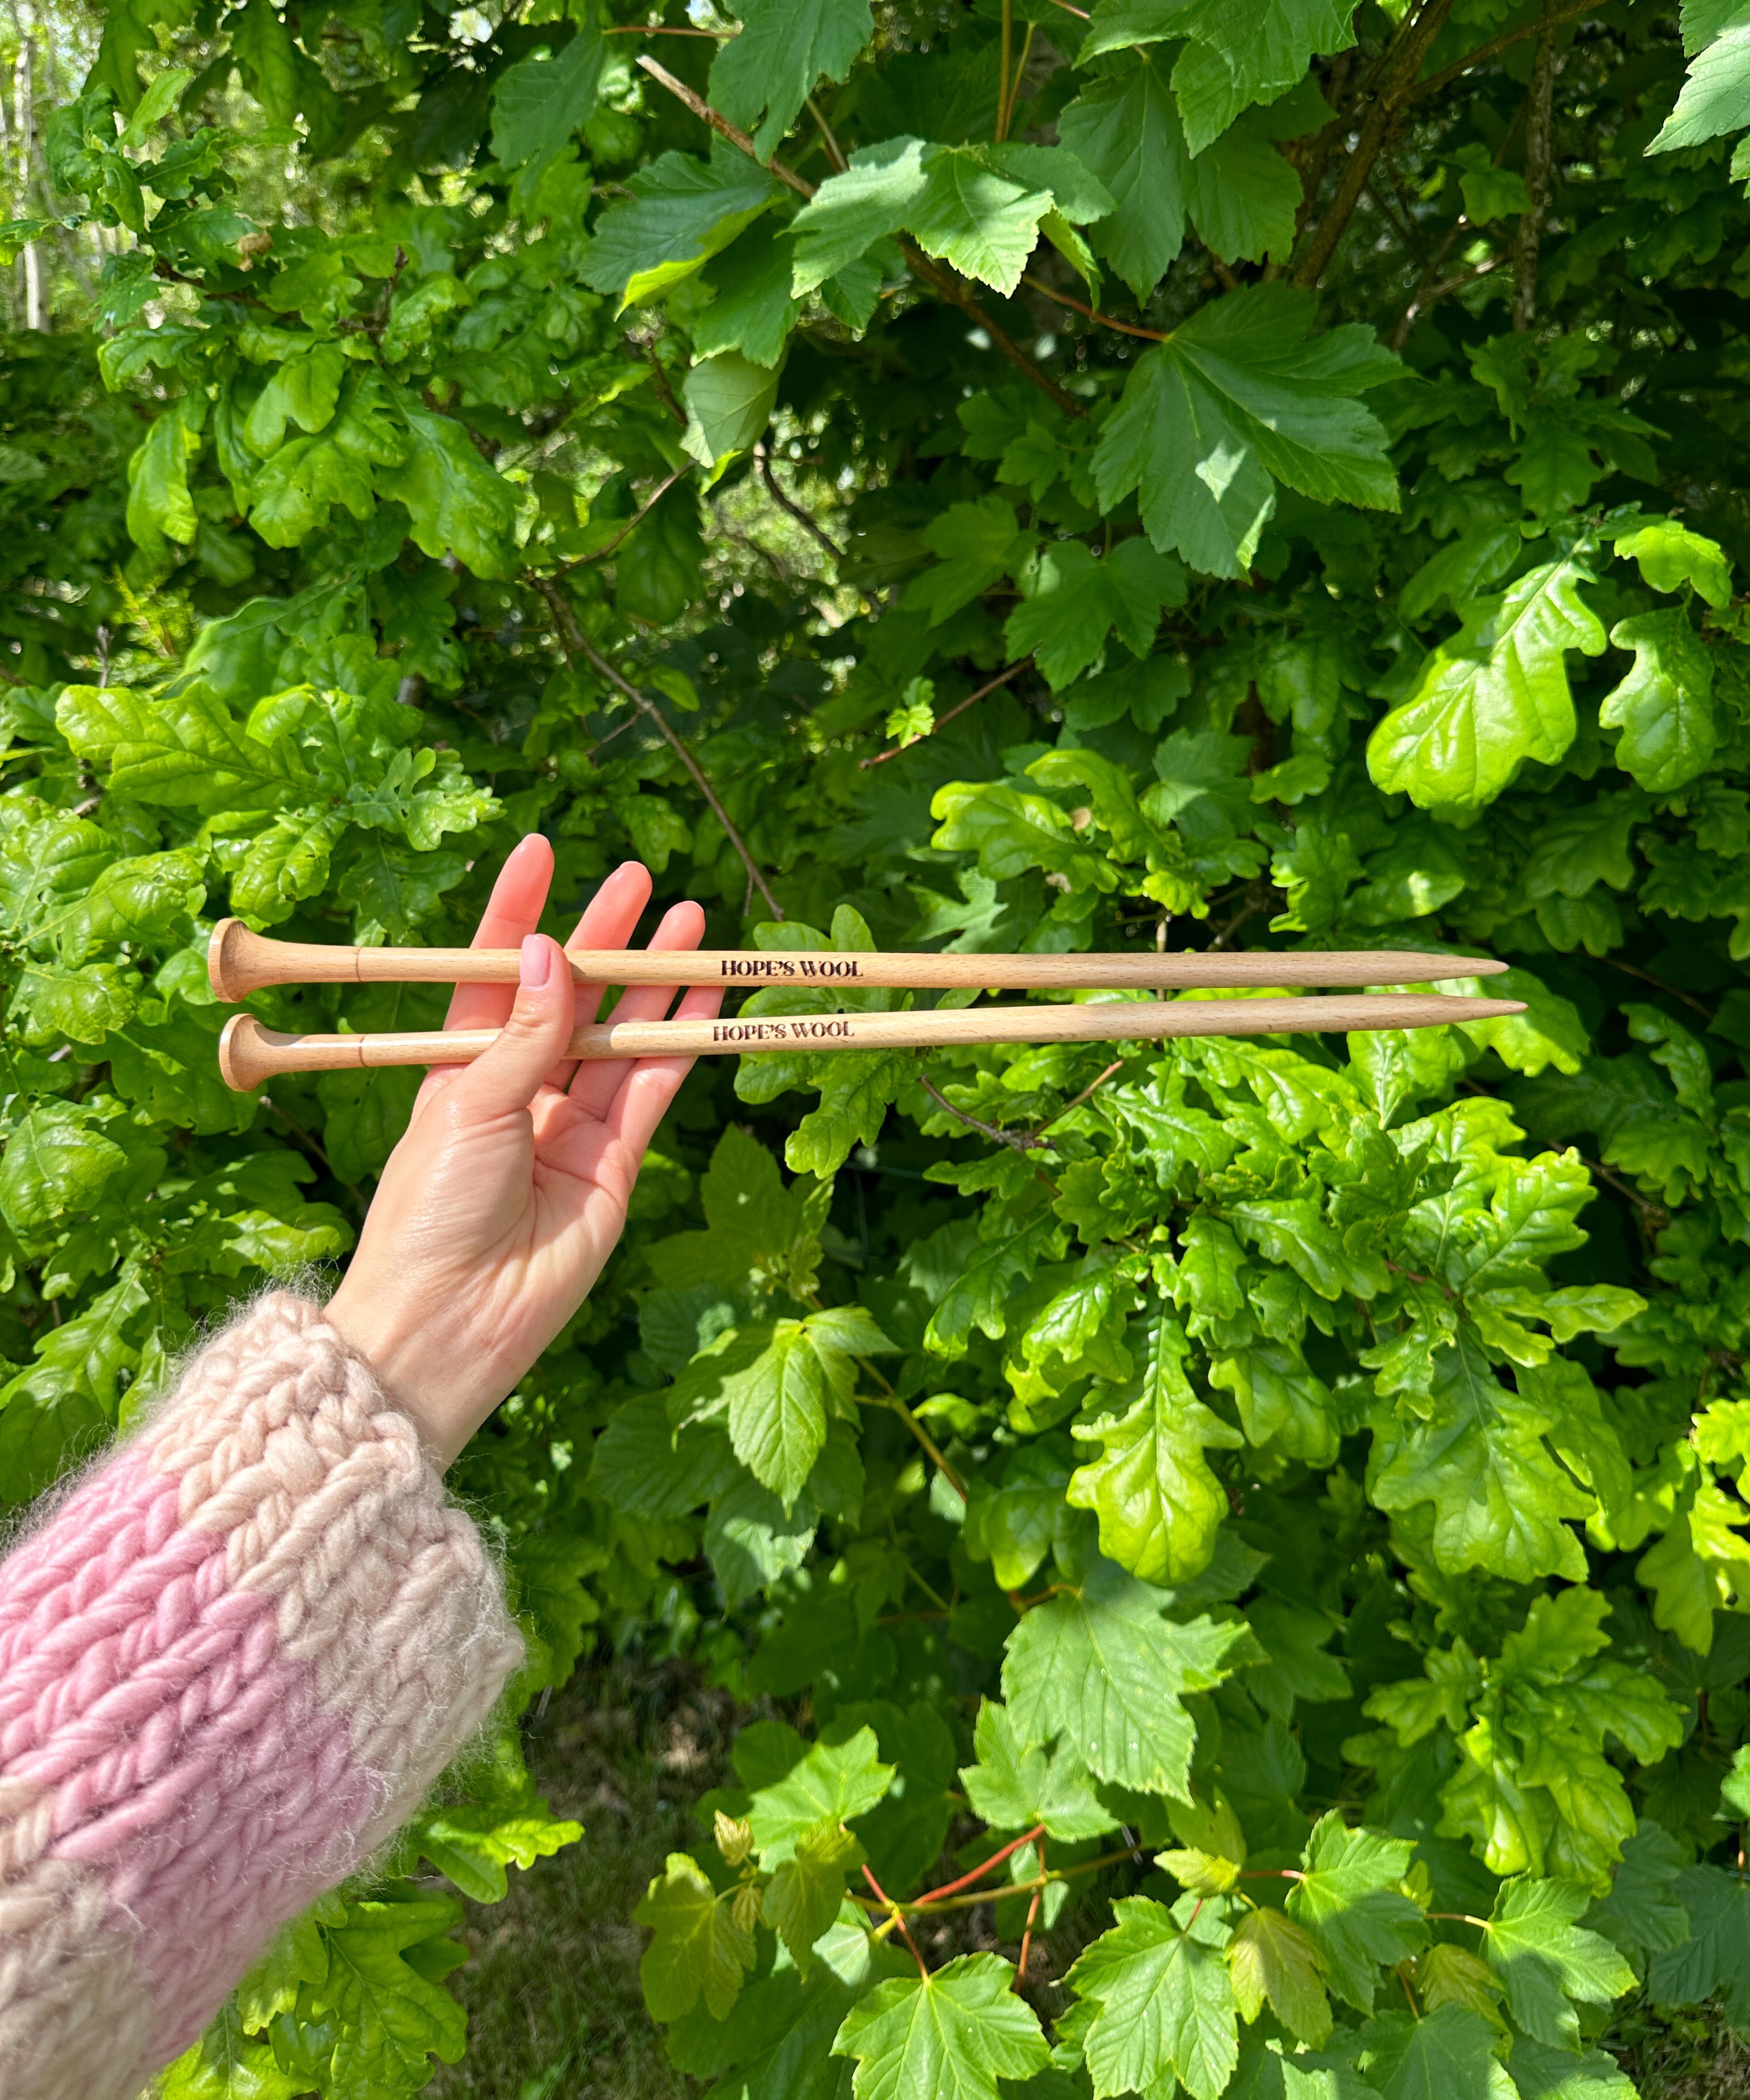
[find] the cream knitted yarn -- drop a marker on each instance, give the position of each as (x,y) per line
(231,1662)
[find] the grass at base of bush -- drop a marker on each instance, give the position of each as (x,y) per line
(1683,2056)
(554,2010)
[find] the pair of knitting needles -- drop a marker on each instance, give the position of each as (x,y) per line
(240,962)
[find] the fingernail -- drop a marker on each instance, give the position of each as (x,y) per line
(536,964)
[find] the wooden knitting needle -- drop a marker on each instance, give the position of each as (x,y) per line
(240,962)
(249,1053)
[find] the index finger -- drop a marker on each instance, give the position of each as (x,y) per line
(519,898)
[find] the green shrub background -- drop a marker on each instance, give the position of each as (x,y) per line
(1193,475)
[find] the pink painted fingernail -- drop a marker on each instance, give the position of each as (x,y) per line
(536,964)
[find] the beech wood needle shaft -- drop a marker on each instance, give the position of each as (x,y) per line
(248,1052)
(240,962)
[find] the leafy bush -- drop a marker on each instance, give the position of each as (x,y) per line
(1256,1522)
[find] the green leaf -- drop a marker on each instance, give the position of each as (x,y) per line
(803,1897)
(1016,1784)
(1671,556)
(457,504)
(1641,1914)
(1664,707)
(1013,1522)
(1715,1961)
(1541,2073)
(1238,54)
(1071,602)
(761,78)
(1107,1668)
(1242,196)
(542,103)
(1159,1504)
(57,1160)
(1447,2054)
(833,1783)
(1124,127)
(228,2064)
(391,2017)
(850,211)
(1500,1501)
(698,1948)
(779,1405)
(978,544)
(1489,192)
(681,213)
(949,2035)
(1490,696)
(1271,1958)
(752,310)
(977,207)
(1166,2004)
(1350,1902)
(978,1296)
(159,507)
(1237,399)
(1716,96)
(1534,1945)
(729,403)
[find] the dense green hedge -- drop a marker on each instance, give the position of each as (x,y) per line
(1276,1498)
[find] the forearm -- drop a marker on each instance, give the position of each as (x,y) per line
(231,1663)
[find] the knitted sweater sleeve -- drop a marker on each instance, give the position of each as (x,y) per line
(232,1662)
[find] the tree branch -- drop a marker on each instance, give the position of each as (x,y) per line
(631,524)
(1094,313)
(789,504)
(1496,45)
(1412,48)
(576,643)
(945,285)
(1002,678)
(1016,1141)
(1527,235)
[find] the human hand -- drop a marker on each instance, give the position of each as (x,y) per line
(499,1208)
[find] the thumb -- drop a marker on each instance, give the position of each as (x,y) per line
(508,1076)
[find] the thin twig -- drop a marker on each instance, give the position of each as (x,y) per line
(1496,44)
(1016,1141)
(316,1152)
(1429,294)
(1659,984)
(721,124)
(660,387)
(1094,313)
(896,1405)
(835,152)
(1091,1088)
(942,282)
(970,1902)
(984,1867)
(960,707)
(789,504)
(576,643)
(897,1916)
(631,524)
(1026,1937)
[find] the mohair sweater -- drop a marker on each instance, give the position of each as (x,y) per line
(232,1660)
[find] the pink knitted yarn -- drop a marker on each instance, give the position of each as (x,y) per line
(230,1663)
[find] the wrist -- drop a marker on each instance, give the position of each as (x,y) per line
(378,1331)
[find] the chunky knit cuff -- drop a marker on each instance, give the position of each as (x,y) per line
(231,1662)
